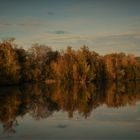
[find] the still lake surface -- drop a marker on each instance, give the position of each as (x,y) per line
(79,112)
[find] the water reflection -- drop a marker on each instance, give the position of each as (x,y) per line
(40,100)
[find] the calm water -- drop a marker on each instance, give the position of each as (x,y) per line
(76,112)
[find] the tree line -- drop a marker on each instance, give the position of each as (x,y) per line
(41,63)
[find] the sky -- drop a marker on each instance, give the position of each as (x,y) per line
(104,26)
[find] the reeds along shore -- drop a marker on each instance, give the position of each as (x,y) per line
(41,63)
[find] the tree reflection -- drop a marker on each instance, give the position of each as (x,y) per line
(40,100)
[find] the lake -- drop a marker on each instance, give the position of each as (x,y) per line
(70,111)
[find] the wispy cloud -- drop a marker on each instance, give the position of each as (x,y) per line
(58,32)
(100,39)
(51,13)
(6,24)
(29,24)
(121,35)
(25,23)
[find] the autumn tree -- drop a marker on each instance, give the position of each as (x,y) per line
(41,63)
(9,65)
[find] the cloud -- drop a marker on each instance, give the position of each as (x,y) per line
(103,43)
(24,23)
(123,35)
(51,13)
(29,24)
(122,38)
(6,24)
(58,32)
